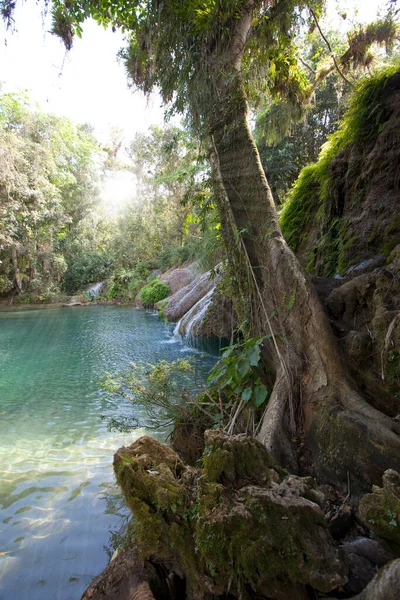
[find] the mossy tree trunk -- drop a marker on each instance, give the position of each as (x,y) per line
(313,394)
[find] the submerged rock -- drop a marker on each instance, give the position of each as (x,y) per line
(240,523)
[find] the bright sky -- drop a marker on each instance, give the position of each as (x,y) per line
(88,84)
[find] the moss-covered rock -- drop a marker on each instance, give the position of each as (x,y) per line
(345,208)
(381,510)
(240,524)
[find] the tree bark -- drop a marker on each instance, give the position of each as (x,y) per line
(313,394)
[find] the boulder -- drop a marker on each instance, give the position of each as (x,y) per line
(178,278)
(380,510)
(126,577)
(385,585)
(363,557)
(185,298)
(240,522)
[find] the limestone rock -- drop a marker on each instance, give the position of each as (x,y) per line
(212,316)
(124,578)
(186,297)
(385,585)
(381,510)
(178,278)
(240,522)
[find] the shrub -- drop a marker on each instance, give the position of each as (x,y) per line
(153,292)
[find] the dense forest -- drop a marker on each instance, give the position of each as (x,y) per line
(279,189)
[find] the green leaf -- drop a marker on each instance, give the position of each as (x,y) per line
(253,355)
(243,367)
(246,394)
(260,394)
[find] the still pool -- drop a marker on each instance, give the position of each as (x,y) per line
(60,508)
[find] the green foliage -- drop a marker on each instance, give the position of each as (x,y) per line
(125,284)
(165,391)
(365,115)
(297,210)
(49,169)
(162,230)
(87,268)
(153,292)
(240,373)
(285,150)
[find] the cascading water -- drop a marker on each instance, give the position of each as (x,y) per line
(190,324)
(94,290)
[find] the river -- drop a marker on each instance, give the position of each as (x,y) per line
(60,508)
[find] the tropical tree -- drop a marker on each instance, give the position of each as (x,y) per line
(48,187)
(205,57)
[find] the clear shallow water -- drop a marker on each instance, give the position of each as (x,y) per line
(58,498)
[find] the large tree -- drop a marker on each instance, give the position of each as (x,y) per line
(205,57)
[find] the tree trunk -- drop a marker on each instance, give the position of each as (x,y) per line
(313,394)
(14,260)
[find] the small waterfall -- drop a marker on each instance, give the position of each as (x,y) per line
(190,324)
(94,290)
(187,297)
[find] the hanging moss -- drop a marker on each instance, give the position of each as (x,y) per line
(317,192)
(297,209)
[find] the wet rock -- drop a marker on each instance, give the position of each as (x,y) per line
(381,511)
(217,320)
(369,549)
(238,523)
(126,577)
(212,316)
(385,585)
(361,572)
(366,265)
(185,298)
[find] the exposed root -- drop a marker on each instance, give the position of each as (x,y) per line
(273,433)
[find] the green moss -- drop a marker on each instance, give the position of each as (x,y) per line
(314,190)
(381,512)
(389,246)
(161,309)
(297,210)
(224,537)
(153,292)
(231,460)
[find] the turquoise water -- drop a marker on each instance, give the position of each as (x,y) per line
(59,504)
